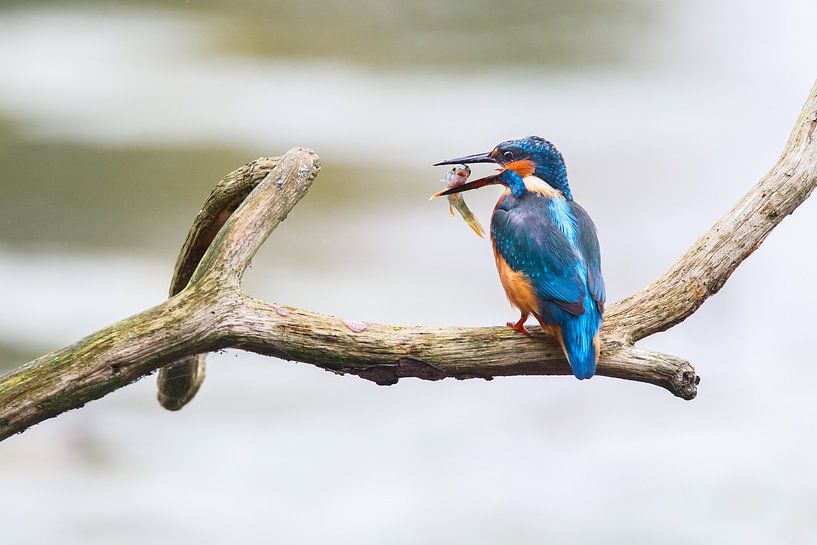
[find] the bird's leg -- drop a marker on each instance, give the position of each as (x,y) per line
(520,325)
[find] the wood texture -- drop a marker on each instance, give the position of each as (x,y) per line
(708,264)
(211,312)
(178,382)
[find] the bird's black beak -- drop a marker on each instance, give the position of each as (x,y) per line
(482,182)
(477,158)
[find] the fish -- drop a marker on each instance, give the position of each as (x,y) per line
(456,177)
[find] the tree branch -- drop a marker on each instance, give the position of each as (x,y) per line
(208,311)
(179,381)
(384,353)
(703,270)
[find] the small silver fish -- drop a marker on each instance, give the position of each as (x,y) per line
(456,177)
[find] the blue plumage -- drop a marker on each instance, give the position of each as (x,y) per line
(546,248)
(552,242)
(530,241)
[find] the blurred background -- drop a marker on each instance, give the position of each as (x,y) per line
(117,118)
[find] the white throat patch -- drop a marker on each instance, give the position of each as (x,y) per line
(534,184)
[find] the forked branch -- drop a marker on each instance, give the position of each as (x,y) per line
(208,311)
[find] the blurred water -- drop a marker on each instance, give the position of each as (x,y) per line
(116,122)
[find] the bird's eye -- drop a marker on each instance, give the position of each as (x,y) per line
(507,156)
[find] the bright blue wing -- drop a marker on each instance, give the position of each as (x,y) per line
(587,241)
(528,239)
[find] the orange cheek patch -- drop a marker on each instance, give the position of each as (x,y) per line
(523,167)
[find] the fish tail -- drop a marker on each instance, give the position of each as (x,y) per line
(471,220)
(476,227)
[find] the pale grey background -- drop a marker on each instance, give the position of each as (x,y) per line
(115,121)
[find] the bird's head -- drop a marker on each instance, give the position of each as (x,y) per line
(517,159)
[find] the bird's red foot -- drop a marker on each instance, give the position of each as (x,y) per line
(519,326)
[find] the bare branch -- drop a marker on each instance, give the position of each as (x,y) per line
(185,326)
(109,359)
(179,381)
(212,313)
(707,265)
(265,207)
(226,253)
(384,353)
(223,201)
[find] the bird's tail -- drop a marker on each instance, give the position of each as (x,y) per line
(583,361)
(580,343)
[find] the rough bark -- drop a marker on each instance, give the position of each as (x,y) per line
(208,311)
(179,381)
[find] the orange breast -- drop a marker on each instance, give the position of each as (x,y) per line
(517,287)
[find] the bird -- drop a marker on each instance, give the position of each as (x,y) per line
(545,245)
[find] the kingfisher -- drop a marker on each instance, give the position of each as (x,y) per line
(545,246)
